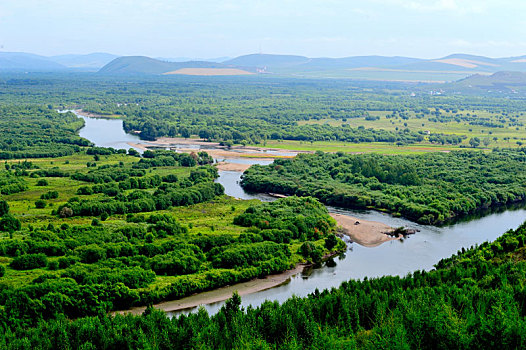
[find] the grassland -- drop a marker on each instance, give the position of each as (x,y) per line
(507,136)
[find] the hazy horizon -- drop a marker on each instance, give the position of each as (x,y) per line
(207,29)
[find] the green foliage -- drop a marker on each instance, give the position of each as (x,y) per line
(430,188)
(11,183)
(179,262)
(42,182)
(40,204)
(293,216)
(28,261)
(49,195)
(4,208)
(91,253)
(8,223)
(473,300)
(55,135)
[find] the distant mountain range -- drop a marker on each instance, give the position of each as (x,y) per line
(450,68)
(20,61)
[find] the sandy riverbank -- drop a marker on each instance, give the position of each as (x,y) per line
(226,166)
(92,115)
(221,294)
(367,233)
(218,153)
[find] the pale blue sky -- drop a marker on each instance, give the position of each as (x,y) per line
(203,28)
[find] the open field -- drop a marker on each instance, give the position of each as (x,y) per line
(507,136)
(365,147)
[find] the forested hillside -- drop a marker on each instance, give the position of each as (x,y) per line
(430,188)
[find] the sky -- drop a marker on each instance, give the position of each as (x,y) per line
(217,28)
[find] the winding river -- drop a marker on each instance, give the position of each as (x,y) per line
(417,252)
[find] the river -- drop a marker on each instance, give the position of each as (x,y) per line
(416,252)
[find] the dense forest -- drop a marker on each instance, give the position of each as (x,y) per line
(473,300)
(258,111)
(94,268)
(36,132)
(430,188)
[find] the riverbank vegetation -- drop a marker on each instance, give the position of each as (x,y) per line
(37,132)
(431,188)
(101,230)
(473,300)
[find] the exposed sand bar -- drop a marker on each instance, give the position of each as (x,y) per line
(221,294)
(93,115)
(225,166)
(138,145)
(366,233)
(217,151)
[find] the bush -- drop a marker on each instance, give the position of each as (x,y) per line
(65,212)
(42,182)
(91,253)
(53,265)
(29,261)
(2,270)
(49,195)
(40,204)
(8,223)
(4,208)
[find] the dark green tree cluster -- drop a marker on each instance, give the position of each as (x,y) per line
(289,218)
(37,132)
(431,188)
(8,223)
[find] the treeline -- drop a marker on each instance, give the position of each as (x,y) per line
(140,201)
(242,130)
(431,188)
(474,300)
(28,131)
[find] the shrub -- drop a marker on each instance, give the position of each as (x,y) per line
(8,223)
(91,253)
(53,265)
(42,182)
(40,204)
(65,212)
(49,195)
(29,261)
(4,208)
